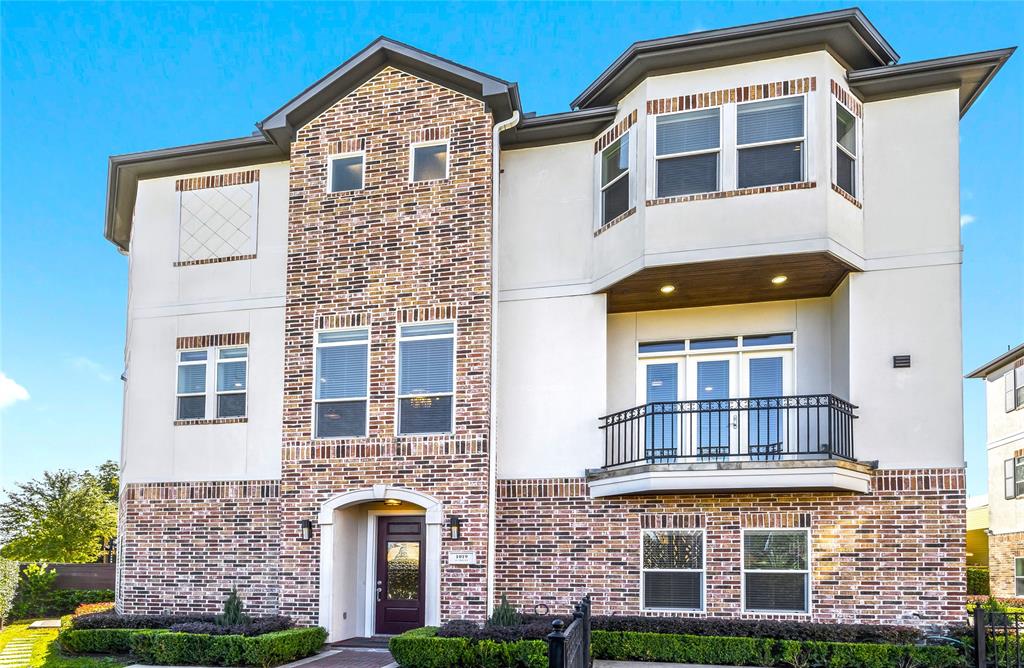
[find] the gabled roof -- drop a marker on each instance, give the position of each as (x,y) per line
(1001,361)
(500,95)
(846,31)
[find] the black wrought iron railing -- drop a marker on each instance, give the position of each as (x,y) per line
(812,426)
(569,646)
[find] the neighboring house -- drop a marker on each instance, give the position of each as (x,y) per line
(1004,398)
(977,531)
(693,347)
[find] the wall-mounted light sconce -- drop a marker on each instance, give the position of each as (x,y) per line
(392,502)
(306,528)
(454,527)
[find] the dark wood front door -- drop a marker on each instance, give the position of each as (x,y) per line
(399,586)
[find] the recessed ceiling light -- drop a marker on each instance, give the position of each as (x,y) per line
(668,289)
(780,279)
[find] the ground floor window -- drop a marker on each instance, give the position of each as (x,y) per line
(776,570)
(673,570)
(1018,576)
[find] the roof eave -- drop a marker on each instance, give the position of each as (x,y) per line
(1009,356)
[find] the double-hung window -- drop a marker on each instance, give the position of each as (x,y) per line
(345,172)
(770,142)
(426,378)
(615,194)
(1018,576)
(687,148)
(429,162)
(846,150)
(776,571)
(1013,388)
(673,570)
(1013,478)
(227,376)
(342,383)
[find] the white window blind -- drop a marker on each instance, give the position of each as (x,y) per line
(846,150)
(776,571)
(615,199)
(346,173)
(430,162)
(342,390)
(770,142)
(673,570)
(191,393)
(687,152)
(232,368)
(426,378)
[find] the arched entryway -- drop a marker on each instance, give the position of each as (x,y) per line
(354,537)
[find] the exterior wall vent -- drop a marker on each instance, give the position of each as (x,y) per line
(901,361)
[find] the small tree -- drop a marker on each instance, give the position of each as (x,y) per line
(233,614)
(504,614)
(8,587)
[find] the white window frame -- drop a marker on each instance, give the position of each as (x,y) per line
(426,144)
(652,150)
(630,174)
(808,592)
(362,171)
(702,570)
(206,376)
(805,165)
(858,131)
(1017,578)
(398,373)
(212,363)
(1010,388)
(218,393)
(366,397)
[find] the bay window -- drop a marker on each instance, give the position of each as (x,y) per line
(614,174)
(776,570)
(770,142)
(687,150)
(342,377)
(426,378)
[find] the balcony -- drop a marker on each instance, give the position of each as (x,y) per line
(802,442)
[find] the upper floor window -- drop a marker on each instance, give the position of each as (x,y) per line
(687,152)
(776,571)
(1013,388)
(846,150)
(615,168)
(1013,478)
(346,172)
(228,377)
(426,378)
(342,383)
(770,142)
(429,162)
(673,570)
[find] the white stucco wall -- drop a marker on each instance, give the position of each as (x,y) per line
(166,302)
(1005,437)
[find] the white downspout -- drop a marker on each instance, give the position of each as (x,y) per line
(492,450)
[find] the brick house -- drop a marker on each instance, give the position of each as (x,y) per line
(693,346)
(1004,400)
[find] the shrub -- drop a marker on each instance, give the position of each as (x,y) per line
(89,608)
(780,630)
(233,614)
(8,587)
(112,620)
(531,628)
(504,614)
(272,649)
(96,641)
(423,648)
(253,627)
(977,581)
(56,602)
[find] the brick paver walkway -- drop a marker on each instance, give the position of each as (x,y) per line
(349,658)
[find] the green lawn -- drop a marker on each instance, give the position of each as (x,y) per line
(46,652)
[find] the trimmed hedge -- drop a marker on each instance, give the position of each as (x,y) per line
(162,647)
(424,648)
(203,624)
(56,602)
(977,581)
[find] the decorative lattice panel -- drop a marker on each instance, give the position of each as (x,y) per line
(218,222)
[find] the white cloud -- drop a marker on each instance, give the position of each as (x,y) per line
(966,219)
(95,368)
(10,391)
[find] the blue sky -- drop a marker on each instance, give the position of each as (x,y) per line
(80,82)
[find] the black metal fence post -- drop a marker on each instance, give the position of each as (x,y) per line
(556,645)
(979,636)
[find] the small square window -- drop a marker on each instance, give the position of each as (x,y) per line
(430,162)
(346,173)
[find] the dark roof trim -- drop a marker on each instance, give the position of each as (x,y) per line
(124,172)
(969,72)
(847,31)
(502,96)
(558,128)
(1004,359)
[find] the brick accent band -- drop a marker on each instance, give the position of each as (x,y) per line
(775,520)
(615,132)
(541,488)
(614,221)
(715,98)
(721,194)
(378,448)
(342,320)
(217,180)
(347,146)
(846,98)
(211,489)
(427,313)
(191,423)
(212,340)
(214,260)
(847,196)
(429,134)
(919,480)
(681,521)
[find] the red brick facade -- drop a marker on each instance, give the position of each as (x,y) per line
(1003,549)
(393,252)
(876,558)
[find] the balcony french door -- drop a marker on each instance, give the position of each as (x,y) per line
(712,428)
